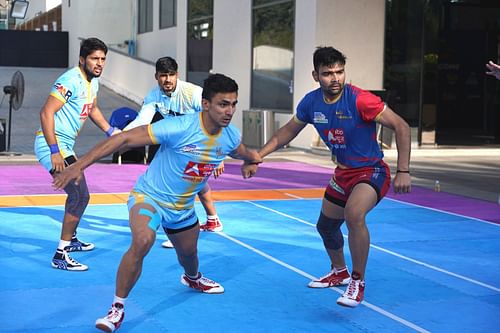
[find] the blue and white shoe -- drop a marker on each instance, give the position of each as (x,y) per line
(62,260)
(78,245)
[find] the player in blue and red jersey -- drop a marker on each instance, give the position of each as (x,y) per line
(345,118)
(191,147)
(71,101)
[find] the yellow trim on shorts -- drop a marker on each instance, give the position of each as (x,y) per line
(162,204)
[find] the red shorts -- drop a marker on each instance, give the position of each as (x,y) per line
(344,180)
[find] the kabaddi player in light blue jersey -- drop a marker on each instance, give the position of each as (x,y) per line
(172,97)
(191,148)
(71,101)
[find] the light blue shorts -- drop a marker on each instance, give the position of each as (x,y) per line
(42,151)
(171,220)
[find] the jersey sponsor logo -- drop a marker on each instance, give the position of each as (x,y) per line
(191,149)
(84,114)
(336,138)
(66,93)
(336,187)
(195,169)
(340,115)
(320,118)
(219,152)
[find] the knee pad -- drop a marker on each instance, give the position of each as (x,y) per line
(78,198)
(329,229)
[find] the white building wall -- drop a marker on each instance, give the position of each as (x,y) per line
(159,42)
(304,44)
(128,77)
(232,48)
(181,38)
(109,21)
(356,28)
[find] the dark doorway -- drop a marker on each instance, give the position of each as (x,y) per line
(467,99)
(435,56)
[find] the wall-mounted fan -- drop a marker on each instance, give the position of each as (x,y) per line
(16,92)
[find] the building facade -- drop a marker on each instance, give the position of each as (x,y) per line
(426,56)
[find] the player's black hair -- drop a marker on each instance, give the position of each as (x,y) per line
(327,56)
(90,45)
(218,83)
(166,65)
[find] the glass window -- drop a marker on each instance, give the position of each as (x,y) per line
(145,16)
(272,63)
(167,13)
(199,39)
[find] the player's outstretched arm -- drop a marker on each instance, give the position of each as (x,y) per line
(282,137)
(251,158)
(493,69)
(144,117)
(137,137)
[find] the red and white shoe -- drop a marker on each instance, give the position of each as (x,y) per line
(113,320)
(212,224)
(202,284)
(336,277)
(353,295)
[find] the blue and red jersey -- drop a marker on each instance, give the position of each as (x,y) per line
(347,125)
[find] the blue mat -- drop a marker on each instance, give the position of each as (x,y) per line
(428,271)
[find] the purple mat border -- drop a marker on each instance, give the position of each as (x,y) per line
(113,178)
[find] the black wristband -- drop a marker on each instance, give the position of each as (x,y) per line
(256,163)
(402,171)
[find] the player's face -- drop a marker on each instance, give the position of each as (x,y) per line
(331,79)
(221,108)
(93,64)
(167,81)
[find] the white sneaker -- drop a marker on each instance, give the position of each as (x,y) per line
(62,260)
(113,319)
(167,244)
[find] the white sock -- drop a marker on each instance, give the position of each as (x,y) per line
(212,217)
(63,244)
(120,300)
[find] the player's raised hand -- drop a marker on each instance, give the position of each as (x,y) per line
(494,69)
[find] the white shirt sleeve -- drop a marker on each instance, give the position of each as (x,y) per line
(144,117)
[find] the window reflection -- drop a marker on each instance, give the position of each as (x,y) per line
(272,65)
(199,40)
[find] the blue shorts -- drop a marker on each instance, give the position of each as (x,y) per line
(171,220)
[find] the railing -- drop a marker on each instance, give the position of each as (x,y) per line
(48,21)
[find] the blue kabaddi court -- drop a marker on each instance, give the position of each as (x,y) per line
(428,271)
